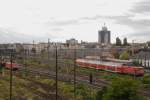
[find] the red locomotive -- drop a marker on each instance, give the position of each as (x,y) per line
(14,65)
(8,65)
(116,66)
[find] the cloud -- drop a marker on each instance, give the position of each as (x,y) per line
(79,19)
(141,7)
(62,22)
(123,20)
(135,24)
(57,29)
(140,27)
(9,36)
(76,21)
(97,17)
(141,34)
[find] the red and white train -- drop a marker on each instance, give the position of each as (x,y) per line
(14,66)
(116,66)
(8,65)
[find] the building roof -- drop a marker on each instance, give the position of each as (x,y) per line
(143,55)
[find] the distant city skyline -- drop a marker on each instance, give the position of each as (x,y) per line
(59,20)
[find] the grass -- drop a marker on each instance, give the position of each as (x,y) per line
(102,74)
(40,88)
(65,89)
(19,89)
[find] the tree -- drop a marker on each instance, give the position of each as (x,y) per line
(122,89)
(124,56)
(148,43)
(116,55)
(84,91)
(33,50)
(146,81)
(136,63)
(118,42)
(100,93)
(125,42)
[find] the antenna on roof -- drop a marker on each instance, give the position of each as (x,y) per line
(33,42)
(104,24)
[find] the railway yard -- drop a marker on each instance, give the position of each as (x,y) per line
(47,77)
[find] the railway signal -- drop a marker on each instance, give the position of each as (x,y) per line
(91,78)
(91,81)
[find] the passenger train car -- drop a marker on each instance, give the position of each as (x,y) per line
(111,66)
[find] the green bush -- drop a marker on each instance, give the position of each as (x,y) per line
(124,56)
(136,63)
(146,79)
(100,93)
(122,89)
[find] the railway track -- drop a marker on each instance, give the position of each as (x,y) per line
(145,93)
(97,83)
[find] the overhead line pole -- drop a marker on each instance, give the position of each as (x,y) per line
(56,72)
(11,75)
(75,73)
(48,49)
(25,61)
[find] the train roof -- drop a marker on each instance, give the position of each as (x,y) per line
(108,63)
(118,60)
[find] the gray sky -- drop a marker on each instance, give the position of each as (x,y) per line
(25,20)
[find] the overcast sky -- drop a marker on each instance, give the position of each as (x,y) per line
(27,20)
